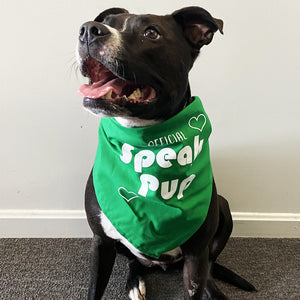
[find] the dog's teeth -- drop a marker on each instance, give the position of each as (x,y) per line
(108,95)
(131,96)
(136,94)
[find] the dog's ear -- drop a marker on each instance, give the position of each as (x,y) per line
(198,25)
(110,11)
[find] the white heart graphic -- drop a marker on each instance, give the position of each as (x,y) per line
(197,120)
(128,193)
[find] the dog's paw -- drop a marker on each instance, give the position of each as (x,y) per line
(138,293)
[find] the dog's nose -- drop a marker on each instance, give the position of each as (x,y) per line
(91,31)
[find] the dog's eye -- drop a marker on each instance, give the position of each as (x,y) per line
(152,33)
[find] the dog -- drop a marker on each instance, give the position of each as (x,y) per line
(151,195)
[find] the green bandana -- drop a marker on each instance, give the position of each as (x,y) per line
(154,183)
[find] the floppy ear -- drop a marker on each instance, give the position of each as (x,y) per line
(110,11)
(198,25)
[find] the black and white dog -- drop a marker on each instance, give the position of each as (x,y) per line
(138,68)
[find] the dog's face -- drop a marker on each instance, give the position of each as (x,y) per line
(138,65)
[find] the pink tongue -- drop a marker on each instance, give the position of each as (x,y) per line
(97,89)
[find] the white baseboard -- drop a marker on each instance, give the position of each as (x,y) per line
(267,225)
(73,224)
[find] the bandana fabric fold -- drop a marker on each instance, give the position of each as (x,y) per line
(155,183)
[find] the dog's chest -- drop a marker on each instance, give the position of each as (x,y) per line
(112,232)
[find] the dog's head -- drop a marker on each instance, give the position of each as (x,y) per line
(138,65)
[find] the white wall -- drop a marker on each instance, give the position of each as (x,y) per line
(248,80)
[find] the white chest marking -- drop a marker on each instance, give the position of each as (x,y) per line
(112,232)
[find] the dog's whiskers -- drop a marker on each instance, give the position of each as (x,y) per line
(73,68)
(134,76)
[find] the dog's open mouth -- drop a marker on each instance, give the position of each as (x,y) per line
(107,86)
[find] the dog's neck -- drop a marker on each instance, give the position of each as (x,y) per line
(136,122)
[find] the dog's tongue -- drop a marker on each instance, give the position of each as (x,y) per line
(99,89)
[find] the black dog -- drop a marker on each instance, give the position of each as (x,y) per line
(138,68)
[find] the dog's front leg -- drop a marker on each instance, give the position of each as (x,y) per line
(195,273)
(103,256)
